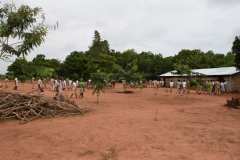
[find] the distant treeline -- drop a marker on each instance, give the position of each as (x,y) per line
(128,64)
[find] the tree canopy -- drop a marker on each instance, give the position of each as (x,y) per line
(21,29)
(236,51)
(128,65)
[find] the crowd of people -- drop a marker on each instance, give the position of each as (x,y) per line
(77,88)
(210,87)
(58,86)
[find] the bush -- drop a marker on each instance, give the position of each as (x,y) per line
(194,83)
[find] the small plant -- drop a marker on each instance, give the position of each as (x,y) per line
(99,83)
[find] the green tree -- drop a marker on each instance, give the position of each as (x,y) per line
(182,69)
(98,46)
(236,51)
(21,29)
(75,66)
(99,82)
(22,69)
(39,60)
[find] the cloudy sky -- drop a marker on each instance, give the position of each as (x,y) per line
(160,26)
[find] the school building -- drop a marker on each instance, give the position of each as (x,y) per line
(227,74)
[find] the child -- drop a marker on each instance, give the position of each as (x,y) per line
(223,90)
(179,87)
(33,82)
(184,87)
(74,90)
(16,83)
(171,85)
(82,89)
(40,86)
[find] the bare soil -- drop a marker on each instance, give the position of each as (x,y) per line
(149,124)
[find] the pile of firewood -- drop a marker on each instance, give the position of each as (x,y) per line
(29,107)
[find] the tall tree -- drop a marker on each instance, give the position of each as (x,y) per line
(236,51)
(75,66)
(98,46)
(21,29)
(21,68)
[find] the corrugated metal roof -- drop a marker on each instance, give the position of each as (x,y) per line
(223,71)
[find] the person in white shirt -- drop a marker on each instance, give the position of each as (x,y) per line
(40,85)
(64,84)
(162,83)
(52,84)
(179,87)
(16,83)
(56,85)
(171,85)
(222,85)
(74,90)
(184,87)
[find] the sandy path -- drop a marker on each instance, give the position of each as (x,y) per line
(139,126)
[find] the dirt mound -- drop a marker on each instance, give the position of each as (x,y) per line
(26,108)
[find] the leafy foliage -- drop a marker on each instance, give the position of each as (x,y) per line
(21,29)
(39,67)
(182,69)
(99,82)
(236,51)
(128,65)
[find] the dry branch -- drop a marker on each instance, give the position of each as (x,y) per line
(29,107)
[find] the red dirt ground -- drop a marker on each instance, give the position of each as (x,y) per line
(150,124)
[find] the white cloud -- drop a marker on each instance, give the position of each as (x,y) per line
(155,25)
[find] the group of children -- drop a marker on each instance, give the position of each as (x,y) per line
(181,86)
(212,87)
(217,87)
(6,84)
(77,88)
(209,87)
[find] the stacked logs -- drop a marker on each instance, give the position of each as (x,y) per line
(29,107)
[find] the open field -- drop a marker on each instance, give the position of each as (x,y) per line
(150,124)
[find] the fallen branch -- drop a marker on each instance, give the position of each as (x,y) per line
(26,108)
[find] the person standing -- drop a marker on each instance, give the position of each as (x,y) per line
(74,90)
(222,86)
(52,83)
(59,91)
(226,85)
(184,87)
(218,88)
(82,89)
(179,87)
(171,85)
(209,87)
(16,83)
(33,82)
(40,85)
(64,84)
(213,87)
